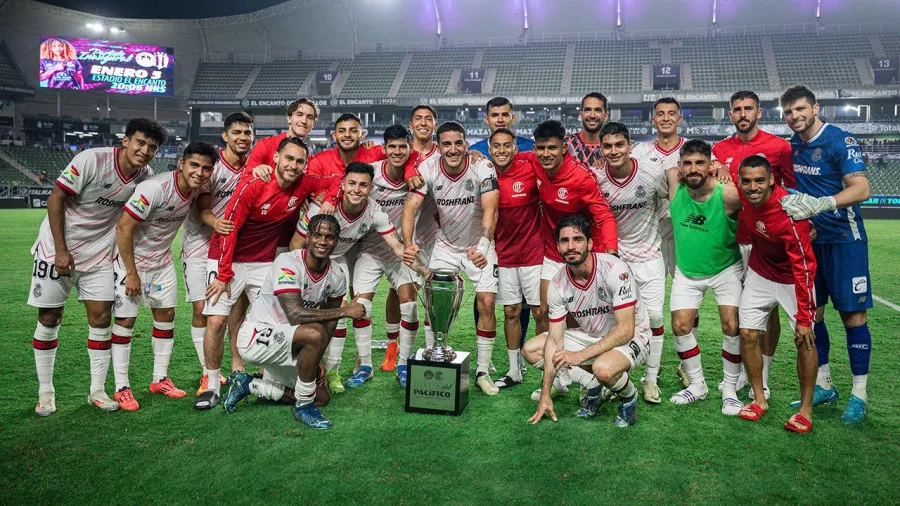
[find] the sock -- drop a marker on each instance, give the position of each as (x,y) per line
(823,347)
(45,343)
(121,355)
(524,320)
(514,371)
(336,346)
(689,353)
(304,392)
(859,347)
(213,386)
(563,379)
(484,342)
(429,334)
(655,357)
(624,388)
(267,389)
(362,332)
(163,343)
(731,364)
(580,376)
(393,332)
(823,377)
(767,365)
(409,327)
(197,337)
(99,351)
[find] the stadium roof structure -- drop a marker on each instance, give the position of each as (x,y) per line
(164,9)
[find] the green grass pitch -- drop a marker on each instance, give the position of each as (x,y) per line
(168,453)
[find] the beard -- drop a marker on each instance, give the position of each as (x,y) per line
(348,150)
(591,130)
(747,129)
(698,185)
(578,261)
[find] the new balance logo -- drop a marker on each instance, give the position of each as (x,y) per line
(696,219)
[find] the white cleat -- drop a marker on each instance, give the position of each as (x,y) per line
(690,394)
(102,401)
(486,384)
(683,376)
(766,392)
(731,406)
(651,393)
(554,393)
(46,405)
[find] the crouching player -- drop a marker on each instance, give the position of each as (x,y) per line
(599,292)
(291,320)
(782,270)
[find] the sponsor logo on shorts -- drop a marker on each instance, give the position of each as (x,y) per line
(278,337)
(860,284)
(118,302)
(38,290)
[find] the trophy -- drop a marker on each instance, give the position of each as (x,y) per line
(443,296)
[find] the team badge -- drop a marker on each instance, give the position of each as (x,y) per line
(292,203)
(761,228)
(640,192)
(562,193)
(860,285)
(328,288)
(817,154)
(470,185)
(518,187)
(602,294)
(278,337)
(38,290)
(363,228)
(118,302)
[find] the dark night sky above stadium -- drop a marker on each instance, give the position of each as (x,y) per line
(164,9)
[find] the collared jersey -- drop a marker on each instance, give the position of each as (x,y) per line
(196,235)
(353,228)
(518,236)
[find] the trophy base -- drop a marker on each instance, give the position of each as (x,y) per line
(439,388)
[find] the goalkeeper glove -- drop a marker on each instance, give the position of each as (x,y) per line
(801,206)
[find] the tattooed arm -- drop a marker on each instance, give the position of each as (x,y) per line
(297,314)
(856,189)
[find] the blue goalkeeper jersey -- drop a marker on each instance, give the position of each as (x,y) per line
(523,143)
(820,166)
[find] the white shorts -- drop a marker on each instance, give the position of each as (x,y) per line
(687,292)
(248,278)
(514,283)
(761,296)
(49,289)
(267,345)
(195,278)
(159,287)
(368,271)
(550,268)
(636,350)
(485,280)
(651,282)
(745,258)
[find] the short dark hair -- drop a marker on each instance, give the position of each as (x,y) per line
(795,93)
(595,94)
(756,161)
(347,116)
(666,100)
(450,126)
(744,95)
(696,147)
(237,117)
(549,129)
(148,127)
(498,102)
(614,128)
(200,148)
(360,168)
(296,141)
(502,131)
(322,219)
(395,132)
(293,106)
(575,221)
(423,106)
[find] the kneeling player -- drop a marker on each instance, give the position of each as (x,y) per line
(599,292)
(291,319)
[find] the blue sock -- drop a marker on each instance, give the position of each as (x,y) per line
(859,347)
(524,318)
(823,343)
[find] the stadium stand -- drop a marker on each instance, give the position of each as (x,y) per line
(611,65)
(723,63)
(834,65)
(526,69)
(370,74)
(430,72)
(35,159)
(9,174)
(220,80)
(10,74)
(281,79)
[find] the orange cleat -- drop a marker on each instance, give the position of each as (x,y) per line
(165,387)
(204,385)
(390,357)
(126,400)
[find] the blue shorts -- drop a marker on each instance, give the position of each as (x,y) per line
(842,273)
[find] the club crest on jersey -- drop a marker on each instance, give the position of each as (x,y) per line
(292,203)
(518,187)
(817,154)
(363,228)
(470,185)
(286,276)
(140,203)
(640,192)
(761,228)
(562,193)
(38,290)
(602,294)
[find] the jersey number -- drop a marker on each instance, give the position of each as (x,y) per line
(42,268)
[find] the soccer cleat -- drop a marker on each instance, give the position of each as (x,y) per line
(554,393)
(207,400)
(651,393)
(204,385)
(167,388)
(335,383)
(855,411)
(591,405)
(238,390)
(821,397)
(683,376)
(222,380)
(687,396)
(401,375)
(731,406)
(766,392)
(310,415)
(46,405)
(361,376)
(102,401)
(126,399)
(491,368)
(487,386)
(627,415)
(390,357)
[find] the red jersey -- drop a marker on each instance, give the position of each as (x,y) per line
(782,251)
(733,150)
(518,237)
(572,190)
(263,152)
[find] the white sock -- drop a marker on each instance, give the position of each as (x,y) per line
(429,334)
(731,364)
(514,371)
(767,363)
(823,377)
(859,386)
(267,389)
(362,332)
(305,393)
(657,340)
(121,355)
(45,343)
(336,346)
(409,327)
(213,386)
(562,379)
(624,388)
(163,344)
(484,343)
(392,330)
(99,351)
(580,376)
(197,337)
(689,353)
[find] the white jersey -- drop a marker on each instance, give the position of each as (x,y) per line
(352,229)
(611,287)
(667,160)
(289,273)
(390,195)
(458,200)
(161,208)
(634,202)
(196,235)
(427,221)
(99,188)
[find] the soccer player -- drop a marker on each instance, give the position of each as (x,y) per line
(499,113)
(704,215)
(466,196)
(204,218)
(288,327)
(301,115)
(143,268)
(633,187)
(599,292)
(74,249)
(831,176)
(519,245)
(781,272)
(357,214)
(585,145)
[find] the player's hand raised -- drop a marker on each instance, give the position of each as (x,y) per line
(805,337)
(410,253)
(356,311)
(64,263)
(476,258)
(215,290)
(263,172)
(415,182)
(224,227)
(545,405)
(133,285)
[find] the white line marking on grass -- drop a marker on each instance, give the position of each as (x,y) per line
(887,303)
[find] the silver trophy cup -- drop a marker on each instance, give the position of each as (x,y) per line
(443,292)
